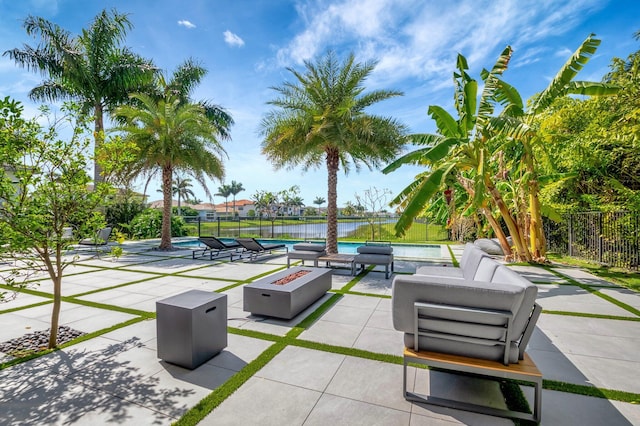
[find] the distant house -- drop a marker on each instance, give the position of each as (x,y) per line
(242,208)
(208,211)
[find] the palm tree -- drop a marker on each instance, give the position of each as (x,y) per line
(182,188)
(235,188)
(172,134)
(224,191)
(319,201)
(321,119)
(92,68)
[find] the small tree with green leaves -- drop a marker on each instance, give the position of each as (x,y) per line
(44,188)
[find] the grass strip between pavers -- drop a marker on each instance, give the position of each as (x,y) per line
(588,315)
(596,292)
(453,257)
(218,396)
(615,395)
(19,308)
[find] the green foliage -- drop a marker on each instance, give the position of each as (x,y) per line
(185,211)
(596,140)
(121,212)
(148,224)
(44,189)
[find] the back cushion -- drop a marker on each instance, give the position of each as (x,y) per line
(486,269)
(309,247)
(375,249)
(473,259)
(504,275)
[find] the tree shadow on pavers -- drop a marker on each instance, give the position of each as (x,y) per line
(68,384)
(555,366)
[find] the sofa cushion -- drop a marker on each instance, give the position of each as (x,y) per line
(471,258)
(489,246)
(373,259)
(486,269)
(305,254)
(504,275)
(472,350)
(309,247)
(440,271)
(375,250)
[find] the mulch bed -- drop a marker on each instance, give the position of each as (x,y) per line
(37,341)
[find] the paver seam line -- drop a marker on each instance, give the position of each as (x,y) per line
(595,292)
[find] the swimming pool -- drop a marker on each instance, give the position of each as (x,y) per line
(412,251)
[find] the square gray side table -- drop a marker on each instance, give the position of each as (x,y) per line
(191,327)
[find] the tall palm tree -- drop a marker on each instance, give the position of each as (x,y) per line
(319,201)
(182,188)
(321,119)
(172,135)
(92,68)
(224,191)
(235,188)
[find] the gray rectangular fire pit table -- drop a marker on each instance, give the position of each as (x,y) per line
(262,297)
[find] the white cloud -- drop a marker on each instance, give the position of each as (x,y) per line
(232,39)
(186,24)
(420,40)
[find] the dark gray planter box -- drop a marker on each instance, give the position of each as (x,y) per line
(286,301)
(191,327)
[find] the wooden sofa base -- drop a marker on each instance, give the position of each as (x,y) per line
(525,371)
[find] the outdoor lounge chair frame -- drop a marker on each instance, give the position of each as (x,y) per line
(255,249)
(525,370)
(216,248)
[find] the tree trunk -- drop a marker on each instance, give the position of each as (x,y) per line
(506,248)
(165,235)
(98,137)
(55,273)
(522,251)
(332,200)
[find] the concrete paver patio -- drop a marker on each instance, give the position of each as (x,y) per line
(341,368)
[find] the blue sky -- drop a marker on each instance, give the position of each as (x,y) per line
(247,46)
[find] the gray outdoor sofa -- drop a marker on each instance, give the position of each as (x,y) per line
(475,319)
(481,310)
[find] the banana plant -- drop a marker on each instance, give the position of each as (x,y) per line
(515,123)
(460,151)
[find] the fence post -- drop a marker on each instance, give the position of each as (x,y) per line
(218,225)
(570,229)
(199,234)
(600,224)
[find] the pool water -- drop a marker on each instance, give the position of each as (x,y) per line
(415,251)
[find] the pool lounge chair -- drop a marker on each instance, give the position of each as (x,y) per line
(255,248)
(101,238)
(216,248)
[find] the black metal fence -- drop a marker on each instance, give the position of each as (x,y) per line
(611,238)
(305,227)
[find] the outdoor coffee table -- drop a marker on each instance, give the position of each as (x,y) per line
(266,297)
(340,258)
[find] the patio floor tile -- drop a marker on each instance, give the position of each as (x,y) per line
(264,402)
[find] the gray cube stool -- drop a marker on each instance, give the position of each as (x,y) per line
(191,327)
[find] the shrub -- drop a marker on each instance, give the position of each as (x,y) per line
(148,224)
(121,214)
